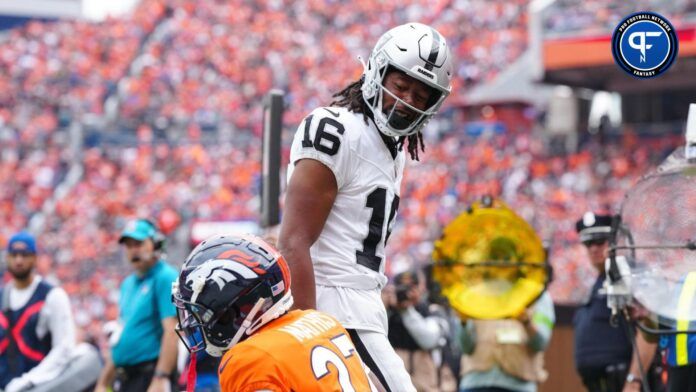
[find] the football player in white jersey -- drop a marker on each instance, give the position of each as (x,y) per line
(345,172)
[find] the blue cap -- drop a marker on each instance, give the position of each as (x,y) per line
(22,242)
(139,229)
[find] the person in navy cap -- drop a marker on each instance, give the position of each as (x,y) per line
(144,345)
(603,353)
(39,315)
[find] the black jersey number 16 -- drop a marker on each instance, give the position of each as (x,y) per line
(377,202)
(325,142)
(329,143)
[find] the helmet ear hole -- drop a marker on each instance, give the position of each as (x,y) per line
(228,317)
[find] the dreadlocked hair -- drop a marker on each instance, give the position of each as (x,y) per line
(351,98)
(414,141)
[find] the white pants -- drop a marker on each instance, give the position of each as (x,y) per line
(380,357)
(362,313)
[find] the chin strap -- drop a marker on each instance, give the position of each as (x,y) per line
(277,310)
(247,322)
(249,325)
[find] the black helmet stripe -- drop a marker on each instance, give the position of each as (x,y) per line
(434,50)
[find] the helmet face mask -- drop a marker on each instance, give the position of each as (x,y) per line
(421,53)
(199,324)
(189,329)
(228,288)
(399,122)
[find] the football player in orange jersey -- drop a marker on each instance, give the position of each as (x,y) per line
(232,298)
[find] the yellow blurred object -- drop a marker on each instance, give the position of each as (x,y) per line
(490,262)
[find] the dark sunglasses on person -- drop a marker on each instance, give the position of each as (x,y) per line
(597,242)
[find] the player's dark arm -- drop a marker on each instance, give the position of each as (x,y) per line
(311,193)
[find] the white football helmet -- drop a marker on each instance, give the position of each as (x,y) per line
(420,52)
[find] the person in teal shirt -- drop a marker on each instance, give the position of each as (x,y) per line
(144,345)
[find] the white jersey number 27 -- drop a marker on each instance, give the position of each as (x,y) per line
(322,356)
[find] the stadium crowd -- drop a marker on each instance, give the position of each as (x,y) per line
(220,182)
(206,65)
(596,17)
(212,62)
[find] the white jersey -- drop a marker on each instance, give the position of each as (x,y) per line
(350,249)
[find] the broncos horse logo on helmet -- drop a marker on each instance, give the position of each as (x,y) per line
(228,288)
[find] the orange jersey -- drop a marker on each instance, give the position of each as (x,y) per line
(303,351)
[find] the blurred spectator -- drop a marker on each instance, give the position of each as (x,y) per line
(507,355)
(603,352)
(144,350)
(419,331)
(37,333)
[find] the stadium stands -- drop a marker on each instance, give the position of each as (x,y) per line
(596,17)
(212,62)
(196,66)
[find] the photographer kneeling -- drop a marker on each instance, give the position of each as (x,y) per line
(418,331)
